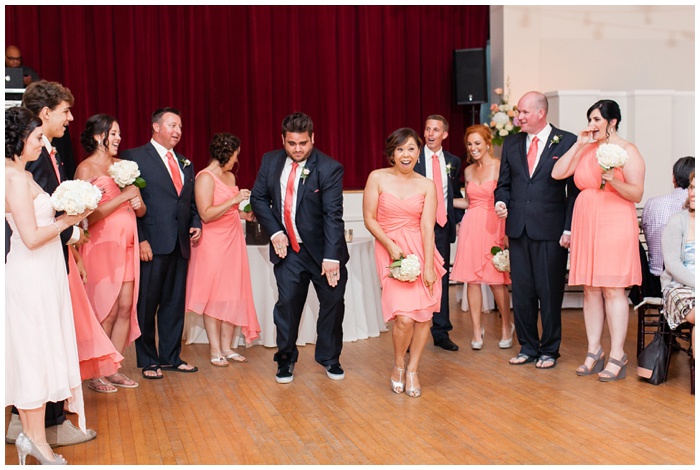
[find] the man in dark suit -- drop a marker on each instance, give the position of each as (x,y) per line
(538,210)
(164,234)
(51,102)
(298,199)
(433,156)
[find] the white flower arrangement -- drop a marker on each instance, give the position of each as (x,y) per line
(501,259)
(448,169)
(610,156)
(405,269)
(185,162)
(504,117)
(245,206)
(75,197)
(555,140)
(126,172)
(304,174)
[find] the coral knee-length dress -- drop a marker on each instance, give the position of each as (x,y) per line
(604,230)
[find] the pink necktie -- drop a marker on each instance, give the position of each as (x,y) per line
(55,164)
(441,216)
(532,155)
(174,172)
(288,201)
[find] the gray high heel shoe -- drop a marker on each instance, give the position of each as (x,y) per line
(479,344)
(597,366)
(607,376)
(25,447)
(412,391)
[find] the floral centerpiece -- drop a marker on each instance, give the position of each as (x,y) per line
(126,172)
(75,197)
(504,117)
(610,156)
(501,259)
(405,269)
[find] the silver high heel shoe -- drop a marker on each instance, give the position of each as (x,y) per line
(479,344)
(507,343)
(25,447)
(398,387)
(412,391)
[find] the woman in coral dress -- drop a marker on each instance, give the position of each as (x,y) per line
(481,229)
(399,207)
(604,236)
(111,256)
(41,356)
(218,278)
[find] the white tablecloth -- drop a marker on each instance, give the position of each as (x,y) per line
(363,308)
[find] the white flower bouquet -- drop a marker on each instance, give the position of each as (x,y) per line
(405,269)
(610,156)
(75,197)
(501,259)
(504,117)
(126,172)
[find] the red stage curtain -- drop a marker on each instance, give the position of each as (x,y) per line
(359,71)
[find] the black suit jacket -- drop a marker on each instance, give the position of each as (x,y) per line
(454,216)
(169,217)
(539,205)
(319,209)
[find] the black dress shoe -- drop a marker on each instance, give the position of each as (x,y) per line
(447,344)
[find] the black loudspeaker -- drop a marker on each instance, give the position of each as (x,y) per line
(470,76)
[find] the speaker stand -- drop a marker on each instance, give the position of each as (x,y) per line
(471,114)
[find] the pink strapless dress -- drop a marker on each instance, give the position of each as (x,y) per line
(604,231)
(218,278)
(111,257)
(481,229)
(400,220)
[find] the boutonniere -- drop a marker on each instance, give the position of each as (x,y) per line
(555,140)
(448,169)
(185,162)
(304,174)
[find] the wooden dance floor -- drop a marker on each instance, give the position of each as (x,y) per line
(475,410)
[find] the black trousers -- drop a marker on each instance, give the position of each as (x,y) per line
(162,290)
(293,275)
(441,320)
(538,270)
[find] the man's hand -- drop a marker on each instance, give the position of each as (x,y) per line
(331,270)
(83,238)
(195,234)
(565,240)
(145,252)
(280,243)
(501,210)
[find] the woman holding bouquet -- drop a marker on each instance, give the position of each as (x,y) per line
(399,207)
(41,356)
(481,230)
(604,232)
(111,256)
(218,279)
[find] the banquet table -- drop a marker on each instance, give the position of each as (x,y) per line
(363,309)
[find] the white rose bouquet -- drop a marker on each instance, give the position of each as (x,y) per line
(75,197)
(611,156)
(405,269)
(126,172)
(504,117)
(501,259)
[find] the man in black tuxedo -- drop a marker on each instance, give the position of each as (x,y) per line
(164,234)
(298,199)
(51,102)
(433,156)
(538,210)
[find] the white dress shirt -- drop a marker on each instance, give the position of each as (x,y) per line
(161,152)
(443,168)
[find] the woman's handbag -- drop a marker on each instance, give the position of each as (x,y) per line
(651,362)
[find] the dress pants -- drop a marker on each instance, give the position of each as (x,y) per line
(293,274)
(162,290)
(538,270)
(441,320)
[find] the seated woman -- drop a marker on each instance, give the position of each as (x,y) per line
(678,278)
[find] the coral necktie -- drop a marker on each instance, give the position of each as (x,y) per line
(441,216)
(288,201)
(54,161)
(174,172)
(532,155)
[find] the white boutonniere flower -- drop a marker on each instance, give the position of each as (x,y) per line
(304,174)
(185,162)
(555,140)
(448,169)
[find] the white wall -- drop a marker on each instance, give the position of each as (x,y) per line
(643,57)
